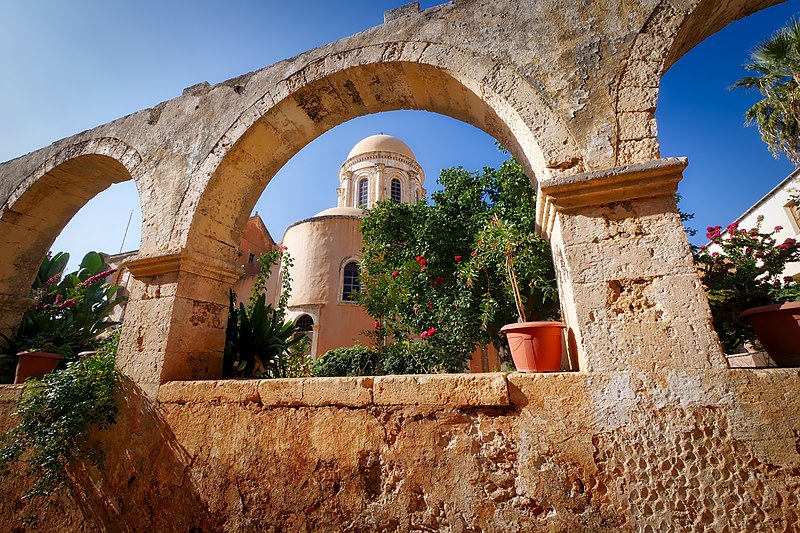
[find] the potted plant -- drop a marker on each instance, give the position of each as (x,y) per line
(519,255)
(750,300)
(67,315)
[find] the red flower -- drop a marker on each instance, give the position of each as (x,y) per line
(430,305)
(423,334)
(778,228)
(458,258)
(790,241)
(377,323)
(423,262)
(395,274)
(431,332)
(416,309)
(417,259)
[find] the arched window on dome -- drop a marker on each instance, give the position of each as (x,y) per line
(304,323)
(351,285)
(363,193)
(396,190)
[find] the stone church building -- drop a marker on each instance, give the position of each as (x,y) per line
(326,248)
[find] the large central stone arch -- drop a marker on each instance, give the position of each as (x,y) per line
(321,94)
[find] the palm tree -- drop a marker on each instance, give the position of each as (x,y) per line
(776,64)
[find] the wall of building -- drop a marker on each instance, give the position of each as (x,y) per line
(615,451)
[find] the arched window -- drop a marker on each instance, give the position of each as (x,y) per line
(363,193)
(305,323)
(351,286)
(396,190)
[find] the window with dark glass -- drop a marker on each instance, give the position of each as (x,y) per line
(363,193)
(252,258)
(396,190)
(305,323)
(351,286)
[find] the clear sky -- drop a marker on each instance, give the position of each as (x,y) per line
(69,66)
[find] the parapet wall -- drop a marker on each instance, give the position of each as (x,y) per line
(716,450)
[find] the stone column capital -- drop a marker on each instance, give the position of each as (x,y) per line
(567,194)
(181,261)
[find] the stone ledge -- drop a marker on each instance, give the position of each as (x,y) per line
(226,391)
(316,392)
(451,390)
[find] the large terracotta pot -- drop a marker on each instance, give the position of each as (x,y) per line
(35,365)
(778,329)
(535,346)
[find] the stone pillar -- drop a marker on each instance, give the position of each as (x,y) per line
(347,196)
(379,194)
(629,289)
(175,319)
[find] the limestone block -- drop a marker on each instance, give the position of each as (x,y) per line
(235,391)
(636,151)
(638,125)
(316,392)
(10,393)
(637,99)
(446,390)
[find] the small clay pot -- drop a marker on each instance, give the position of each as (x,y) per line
(35,365)
(535,346)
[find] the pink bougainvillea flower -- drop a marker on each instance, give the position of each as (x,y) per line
(783,246)
(789,240)
(423,334)
(714,254)
(778,228)
(733,227)
(458,258)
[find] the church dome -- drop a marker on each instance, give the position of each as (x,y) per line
(381,143)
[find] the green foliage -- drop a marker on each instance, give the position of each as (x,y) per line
(431,309)
(57,416)
(352,361)
(258,339)
(68,312)
(743,270)
(775,64)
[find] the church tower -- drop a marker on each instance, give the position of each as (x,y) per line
(380,167)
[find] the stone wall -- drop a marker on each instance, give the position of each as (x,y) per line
(616,451)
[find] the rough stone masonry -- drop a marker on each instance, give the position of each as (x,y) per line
(652,433)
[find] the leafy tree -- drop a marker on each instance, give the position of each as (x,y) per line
(775,64)
(432,302)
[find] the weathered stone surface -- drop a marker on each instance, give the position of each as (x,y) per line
(448,390)
(10,393)
(316,392)
(229,390)
(677,450)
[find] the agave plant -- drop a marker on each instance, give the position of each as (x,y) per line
(258,341)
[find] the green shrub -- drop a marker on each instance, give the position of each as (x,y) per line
(56,417)
(353,361)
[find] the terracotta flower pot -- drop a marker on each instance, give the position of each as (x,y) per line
(35,365)
(535,346)
(778,329)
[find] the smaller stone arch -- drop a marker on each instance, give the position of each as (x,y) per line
(44,201)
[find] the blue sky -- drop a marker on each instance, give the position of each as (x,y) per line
(70,66)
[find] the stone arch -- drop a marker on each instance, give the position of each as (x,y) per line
(42,204)
(341,86)
(669,34)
